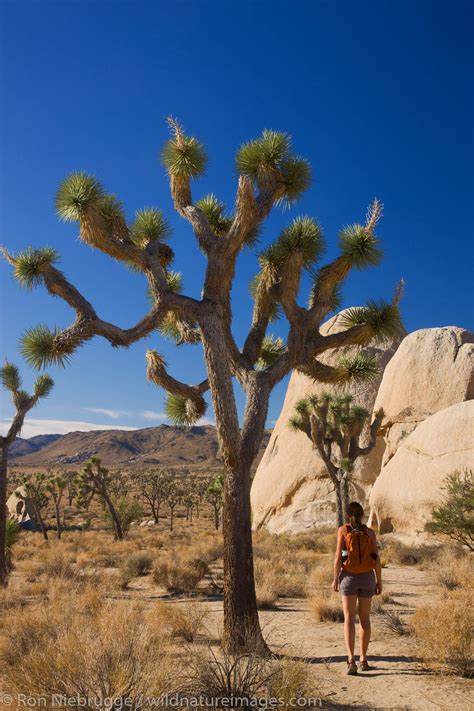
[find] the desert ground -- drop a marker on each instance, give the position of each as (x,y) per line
(170,582)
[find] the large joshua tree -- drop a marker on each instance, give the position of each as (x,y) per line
(269,174)
(335,426)
(23,402)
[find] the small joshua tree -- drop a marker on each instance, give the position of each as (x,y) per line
(455,517)
(334,424)
(214,494)
(35,486)
(56,485)
(153,488)
(96,480)
(174,495)
(270,174)
(23,402)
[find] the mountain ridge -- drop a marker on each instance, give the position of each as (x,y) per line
(164,445)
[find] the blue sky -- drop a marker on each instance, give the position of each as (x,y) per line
(377,95)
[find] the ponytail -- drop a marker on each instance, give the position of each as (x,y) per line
(355,513)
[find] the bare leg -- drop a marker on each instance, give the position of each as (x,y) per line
(364,626)
(349,603)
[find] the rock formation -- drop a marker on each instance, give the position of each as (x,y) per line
(291,491)
(410,485)
(432,369)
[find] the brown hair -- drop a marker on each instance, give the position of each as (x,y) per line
(355,513)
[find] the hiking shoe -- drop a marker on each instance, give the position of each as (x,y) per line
(352,668)
(363,666)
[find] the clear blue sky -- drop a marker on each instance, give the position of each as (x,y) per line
(377,95)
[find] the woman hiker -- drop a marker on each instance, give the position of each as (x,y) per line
(358,576)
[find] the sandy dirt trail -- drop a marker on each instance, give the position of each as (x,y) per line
(397,679)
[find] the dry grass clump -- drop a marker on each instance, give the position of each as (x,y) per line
(246,676)
(394,551)
(392,621)
(452,570)
(321,574)
(10,600)
(324,609)
(182,619)
(267,581)
(444,632)
(178,572)
(75,643)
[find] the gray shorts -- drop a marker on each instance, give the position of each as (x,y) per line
(360,584)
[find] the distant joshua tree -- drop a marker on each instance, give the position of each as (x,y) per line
(23,402)
(96,480)
(214,494)
(270,174)
(334,424)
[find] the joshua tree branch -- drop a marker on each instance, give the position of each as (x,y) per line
(264,302)
(157,373)
(356,451)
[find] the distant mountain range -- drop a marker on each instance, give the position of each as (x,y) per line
(154,446)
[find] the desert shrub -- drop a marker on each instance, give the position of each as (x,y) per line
(137,564)
(324,609)
(128,510)
(178,572)
(266,583)
(76,643)
(452,571)
(12,537)
(183,619)
(444,632)
(455,517)
(392,621)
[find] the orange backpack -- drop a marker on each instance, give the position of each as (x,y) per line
(360,552)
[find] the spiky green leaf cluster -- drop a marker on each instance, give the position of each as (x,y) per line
(347,465)
(276,310)
(220,221)
(29,264)
(303,236)
(38,348)
(111,208)
(360,367)
(184,412)
(359,246)
(150,224)
(43,385)
(296,177)
(76,194)
(10,377)
(381,317)
(269,352)
(184,157)
(264,153)
(295,423)
(214,210)
(271,154)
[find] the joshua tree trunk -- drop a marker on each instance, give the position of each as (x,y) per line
(58,517)
(345,496)
(216,517)
(118,531)
(3,516)
(339,506)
